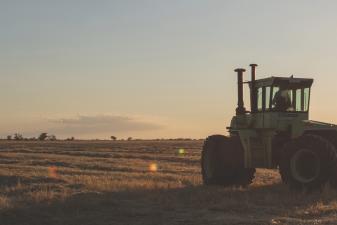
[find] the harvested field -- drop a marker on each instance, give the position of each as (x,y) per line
(139,182)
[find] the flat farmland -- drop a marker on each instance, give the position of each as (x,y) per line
(139,182)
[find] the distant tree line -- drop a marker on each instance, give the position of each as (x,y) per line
(41,137)
(50,137)
(114,138)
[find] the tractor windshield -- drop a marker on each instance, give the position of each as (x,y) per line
(282,99)
(290,100)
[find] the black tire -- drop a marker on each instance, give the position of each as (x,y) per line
(222,162)
(308,163)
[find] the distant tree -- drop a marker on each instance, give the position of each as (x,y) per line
(113,138)
(70,139)
(18,137)
(129,139)
(9,137)
(43,136)
(52,137)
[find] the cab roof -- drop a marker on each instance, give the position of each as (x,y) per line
(290,82)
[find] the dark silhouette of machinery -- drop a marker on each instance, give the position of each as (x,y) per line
(275,133)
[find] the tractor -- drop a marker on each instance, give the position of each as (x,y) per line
(275,134)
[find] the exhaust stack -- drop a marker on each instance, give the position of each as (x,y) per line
(240,110)
(253,92)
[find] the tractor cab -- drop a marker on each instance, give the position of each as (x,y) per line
(281,94)
(278,104)
(279,112)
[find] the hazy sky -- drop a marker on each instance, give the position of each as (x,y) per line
(148,69)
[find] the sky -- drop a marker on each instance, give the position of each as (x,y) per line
(154,68)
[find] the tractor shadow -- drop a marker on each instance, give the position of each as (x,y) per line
(187,205)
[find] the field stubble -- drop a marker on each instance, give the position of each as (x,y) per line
(140,182)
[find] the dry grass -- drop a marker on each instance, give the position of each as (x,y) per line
(139,182)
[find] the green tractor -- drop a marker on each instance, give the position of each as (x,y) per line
(275,133)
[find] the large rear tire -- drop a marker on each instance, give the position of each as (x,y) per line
(222,162)
(308,163)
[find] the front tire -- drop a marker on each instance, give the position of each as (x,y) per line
(222,162)
(308,163)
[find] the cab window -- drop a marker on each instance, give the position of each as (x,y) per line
(268,93)
(263,98)
(259,99)
(290,100)
(283,100)
(274,92)
(306,99)
(298,105)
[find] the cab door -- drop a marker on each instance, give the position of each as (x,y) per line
(261,142)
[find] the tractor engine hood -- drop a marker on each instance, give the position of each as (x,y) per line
(315,125)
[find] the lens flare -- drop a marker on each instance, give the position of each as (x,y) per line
(52,172)
(153,167)
(181,152)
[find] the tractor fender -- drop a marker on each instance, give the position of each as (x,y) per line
(313,127)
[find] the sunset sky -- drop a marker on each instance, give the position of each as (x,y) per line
(154,69)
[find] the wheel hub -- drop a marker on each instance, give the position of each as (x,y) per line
(305,166)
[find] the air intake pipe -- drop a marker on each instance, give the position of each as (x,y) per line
(253,92)
(240,110)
